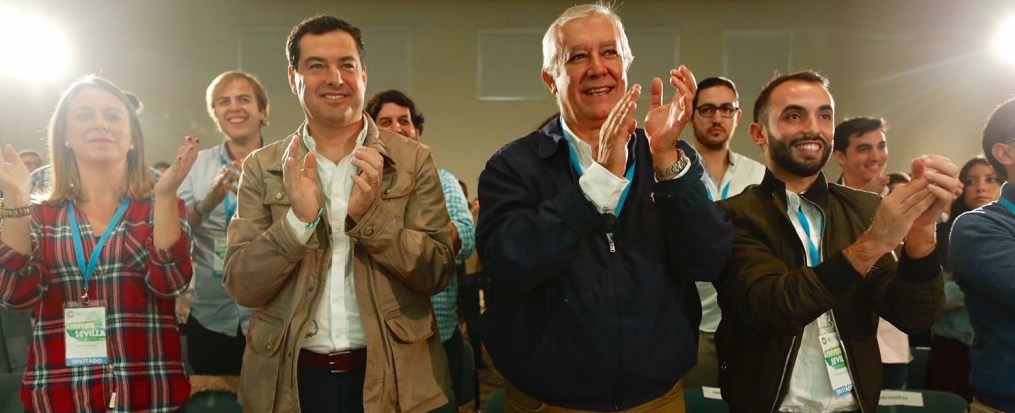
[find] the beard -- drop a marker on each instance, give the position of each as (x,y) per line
(782,155)
(711,143)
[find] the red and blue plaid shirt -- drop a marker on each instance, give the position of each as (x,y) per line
(137,284)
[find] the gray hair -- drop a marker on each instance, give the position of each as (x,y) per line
(553,59)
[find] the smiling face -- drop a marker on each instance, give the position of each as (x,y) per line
(236,111)
(797,131)
(593,78)
(330,80)
(397,119)
(98,127)
(864,159)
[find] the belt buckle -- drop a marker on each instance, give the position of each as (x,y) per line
(331,361)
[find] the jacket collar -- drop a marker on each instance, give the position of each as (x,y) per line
(817,193)
(372,140)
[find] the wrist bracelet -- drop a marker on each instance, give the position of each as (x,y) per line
(313,223)
(671,171)
(16,212)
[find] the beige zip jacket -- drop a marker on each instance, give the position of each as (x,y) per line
(402,256)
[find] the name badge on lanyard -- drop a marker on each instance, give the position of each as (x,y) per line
(85,321)
(85,333)
(219,258)
(835,357)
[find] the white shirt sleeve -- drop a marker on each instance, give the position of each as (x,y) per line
(299,228)
(602,187)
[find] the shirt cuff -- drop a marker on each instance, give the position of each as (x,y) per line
(299,228)
(602,187)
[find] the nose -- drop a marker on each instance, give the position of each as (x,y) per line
(597,65)
(333,76)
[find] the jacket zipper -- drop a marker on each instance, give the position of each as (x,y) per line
(842,343)
(609,238)
(782,377)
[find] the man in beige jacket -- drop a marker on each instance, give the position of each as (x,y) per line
(340,238)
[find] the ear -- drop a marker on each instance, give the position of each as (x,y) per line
(550,83)
(1002,152)
(757,133)
(292,81)
(840,157)
(364,77)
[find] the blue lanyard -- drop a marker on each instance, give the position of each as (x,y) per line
(89,268)
(629,175)
(1007,204)
(815,258)
(725,192)
(229,203)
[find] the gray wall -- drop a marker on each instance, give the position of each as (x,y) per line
(925,65)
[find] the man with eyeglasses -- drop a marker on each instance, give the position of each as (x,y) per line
(715,119)
(981,248)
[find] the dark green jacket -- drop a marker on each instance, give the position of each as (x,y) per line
(768,295)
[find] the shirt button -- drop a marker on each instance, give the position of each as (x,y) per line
(279,196)
(267,346)
(369,231)
(387,191)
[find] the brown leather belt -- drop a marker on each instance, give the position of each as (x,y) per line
(339,362)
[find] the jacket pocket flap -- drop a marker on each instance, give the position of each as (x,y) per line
(274,193)
(410,330)
(266,334)
(399,185)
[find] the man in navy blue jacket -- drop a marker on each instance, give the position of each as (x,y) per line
(593,232)
(981,247)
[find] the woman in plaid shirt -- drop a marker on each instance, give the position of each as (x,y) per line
(105,335)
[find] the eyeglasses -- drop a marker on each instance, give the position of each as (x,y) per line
(726,110)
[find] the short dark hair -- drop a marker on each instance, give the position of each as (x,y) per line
(857,126)
(711,83)
(761,104)
(1000,128)
(321,24)
(375,103)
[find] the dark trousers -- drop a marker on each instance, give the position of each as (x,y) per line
(211,353)
(454,347)
(468,304)
(324,391)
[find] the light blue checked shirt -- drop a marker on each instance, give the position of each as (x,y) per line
(444,302)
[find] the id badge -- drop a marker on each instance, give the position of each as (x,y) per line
(218,261)
(835,363)
(85,334)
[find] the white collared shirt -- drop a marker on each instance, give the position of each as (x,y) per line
(741,173)
(810,389)
(599,185)
(338,324)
